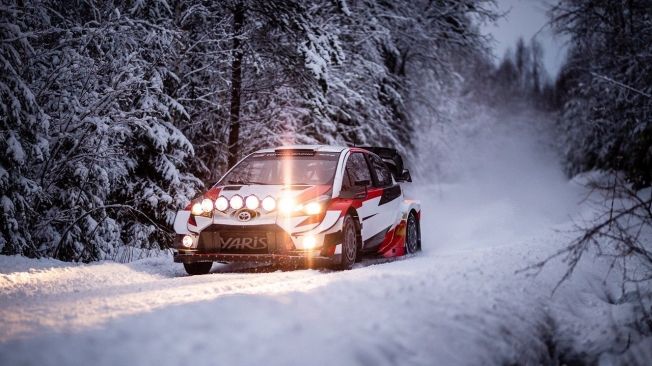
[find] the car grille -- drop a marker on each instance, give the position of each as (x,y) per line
(235,239)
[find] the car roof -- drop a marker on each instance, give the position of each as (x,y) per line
(323,148)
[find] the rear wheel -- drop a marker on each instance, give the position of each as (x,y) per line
(198,268)
(349,243)
(412,238)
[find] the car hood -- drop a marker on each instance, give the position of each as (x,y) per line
(300,193)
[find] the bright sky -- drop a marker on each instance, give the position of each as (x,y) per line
(525,18)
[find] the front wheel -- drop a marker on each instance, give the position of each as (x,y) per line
(198,268)
(413,237)
(349,243)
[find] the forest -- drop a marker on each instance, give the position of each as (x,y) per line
(116,114)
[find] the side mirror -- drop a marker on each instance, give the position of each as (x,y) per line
(404,176)
(362,183)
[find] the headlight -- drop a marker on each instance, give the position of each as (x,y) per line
(287,205)
(221,203)
(236,202)
(269,204)
(207,205)
(197,209)
(187,241)
(309,242)
(252,202)
(316,206)
(312,208)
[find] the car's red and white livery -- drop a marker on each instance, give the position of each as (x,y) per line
(317,205)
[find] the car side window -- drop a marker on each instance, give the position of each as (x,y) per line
(357,170)
(346,181)
(383,175)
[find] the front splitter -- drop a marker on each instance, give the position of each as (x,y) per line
(280,259)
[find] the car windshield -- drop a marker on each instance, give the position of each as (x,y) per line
(287,168)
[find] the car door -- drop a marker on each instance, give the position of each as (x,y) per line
(356,173)
(387,201)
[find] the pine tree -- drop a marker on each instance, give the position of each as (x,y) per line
(607,116)
(23,129)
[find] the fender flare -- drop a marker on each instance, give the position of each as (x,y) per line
(408,206)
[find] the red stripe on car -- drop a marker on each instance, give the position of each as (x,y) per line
(394,243)
(373,193)
(312,193)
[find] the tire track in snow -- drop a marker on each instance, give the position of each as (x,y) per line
(26,313)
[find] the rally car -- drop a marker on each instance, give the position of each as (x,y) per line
(310,205)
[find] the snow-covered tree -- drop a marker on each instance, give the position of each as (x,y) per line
(607,117)
(115,113)
(606,125)
(113,172)
(23,129)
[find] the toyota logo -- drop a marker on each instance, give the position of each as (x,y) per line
(244,216)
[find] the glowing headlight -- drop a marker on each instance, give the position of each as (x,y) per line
(252,202)
(236,202)
(207,205)
(309,242)
(312,208)
(269,204)
(221,203)
(287,205)
(197,209)
(187,241)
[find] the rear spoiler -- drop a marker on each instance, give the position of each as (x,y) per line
(393,160)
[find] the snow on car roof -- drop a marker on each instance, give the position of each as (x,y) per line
(324,148)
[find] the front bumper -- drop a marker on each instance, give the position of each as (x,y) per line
(226,243)
(302,259)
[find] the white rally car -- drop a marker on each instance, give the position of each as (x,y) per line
(312,205)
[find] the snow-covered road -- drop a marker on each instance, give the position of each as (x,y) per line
(456,307)
(458,302)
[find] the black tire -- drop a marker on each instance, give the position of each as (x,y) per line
(198,268)
(358,230)
(412,235)
(349,243)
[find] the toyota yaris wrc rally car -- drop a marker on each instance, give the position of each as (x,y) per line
(311,205)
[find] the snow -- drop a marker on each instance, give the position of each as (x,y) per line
(7,205)
(463,301)
(15,149)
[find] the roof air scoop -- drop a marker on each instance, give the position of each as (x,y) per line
(295,152)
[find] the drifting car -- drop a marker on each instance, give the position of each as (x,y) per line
(302,205)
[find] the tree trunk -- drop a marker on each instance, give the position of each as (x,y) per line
(236,86)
